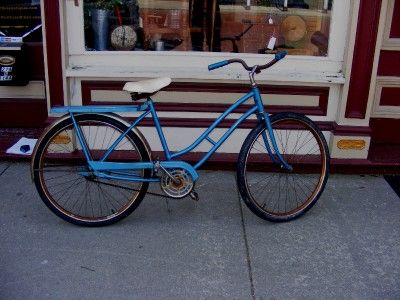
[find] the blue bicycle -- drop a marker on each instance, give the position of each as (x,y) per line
(93,168)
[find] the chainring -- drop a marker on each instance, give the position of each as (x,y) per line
(180,186)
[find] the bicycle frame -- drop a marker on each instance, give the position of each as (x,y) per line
(148,108)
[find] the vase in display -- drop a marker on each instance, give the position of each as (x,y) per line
(100,25)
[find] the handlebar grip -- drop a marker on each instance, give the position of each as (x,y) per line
(217,65)
(280,55)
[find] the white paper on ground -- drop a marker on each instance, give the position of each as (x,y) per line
(16,148)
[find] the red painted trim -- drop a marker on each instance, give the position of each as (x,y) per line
(20,112)
(228,161)
(363,58)
(395,27)
(385,153)
(88,86)
(36,60)
(320,110)
(385,130)
(54,61)
(389,63)
(390,96)
(380,161)
(352,130)
(364,166)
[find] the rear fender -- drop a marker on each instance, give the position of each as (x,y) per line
(110,115)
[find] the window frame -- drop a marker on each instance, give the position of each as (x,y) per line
(142,64)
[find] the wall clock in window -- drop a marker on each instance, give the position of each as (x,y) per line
(123,37)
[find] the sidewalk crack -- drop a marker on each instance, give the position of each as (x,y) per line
(246,243)
(5,169)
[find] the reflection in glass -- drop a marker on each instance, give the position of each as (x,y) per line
(18,17)
(247,26)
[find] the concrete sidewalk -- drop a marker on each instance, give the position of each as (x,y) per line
(346,247)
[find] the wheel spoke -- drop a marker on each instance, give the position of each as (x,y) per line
(290,193)
(86,199)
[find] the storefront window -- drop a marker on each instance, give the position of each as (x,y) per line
(242,26)
(19,17)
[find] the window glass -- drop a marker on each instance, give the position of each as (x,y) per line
(247,26)
(19,17)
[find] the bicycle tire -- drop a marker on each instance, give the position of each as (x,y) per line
(265,187)
(84,199)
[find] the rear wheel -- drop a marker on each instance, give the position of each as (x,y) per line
(269,190)
(70,189)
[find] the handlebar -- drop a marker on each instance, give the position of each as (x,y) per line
(258,69)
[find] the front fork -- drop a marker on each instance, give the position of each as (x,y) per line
(263,116)
(275,157)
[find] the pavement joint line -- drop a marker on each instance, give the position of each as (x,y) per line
(246,244)
(169,210)
(6,168)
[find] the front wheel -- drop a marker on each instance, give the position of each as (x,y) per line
(269,190)
(66,184)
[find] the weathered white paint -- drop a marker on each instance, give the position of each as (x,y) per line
(392,44)
(46,72)
(75,42)
(64,48)
(152,67)
(385,111)
(349,154)
(333,104)
(340,22)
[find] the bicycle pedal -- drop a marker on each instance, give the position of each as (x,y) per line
(194,196)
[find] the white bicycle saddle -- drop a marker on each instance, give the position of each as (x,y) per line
(148,86)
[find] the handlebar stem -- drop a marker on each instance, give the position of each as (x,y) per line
(251,76)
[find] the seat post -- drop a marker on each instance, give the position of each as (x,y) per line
(134,96)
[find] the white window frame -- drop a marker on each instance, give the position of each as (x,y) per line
(192,66)
(389,43)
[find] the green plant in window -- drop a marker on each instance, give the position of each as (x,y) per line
(104,4)
(265,3)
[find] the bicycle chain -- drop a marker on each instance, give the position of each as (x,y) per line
(131,189)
